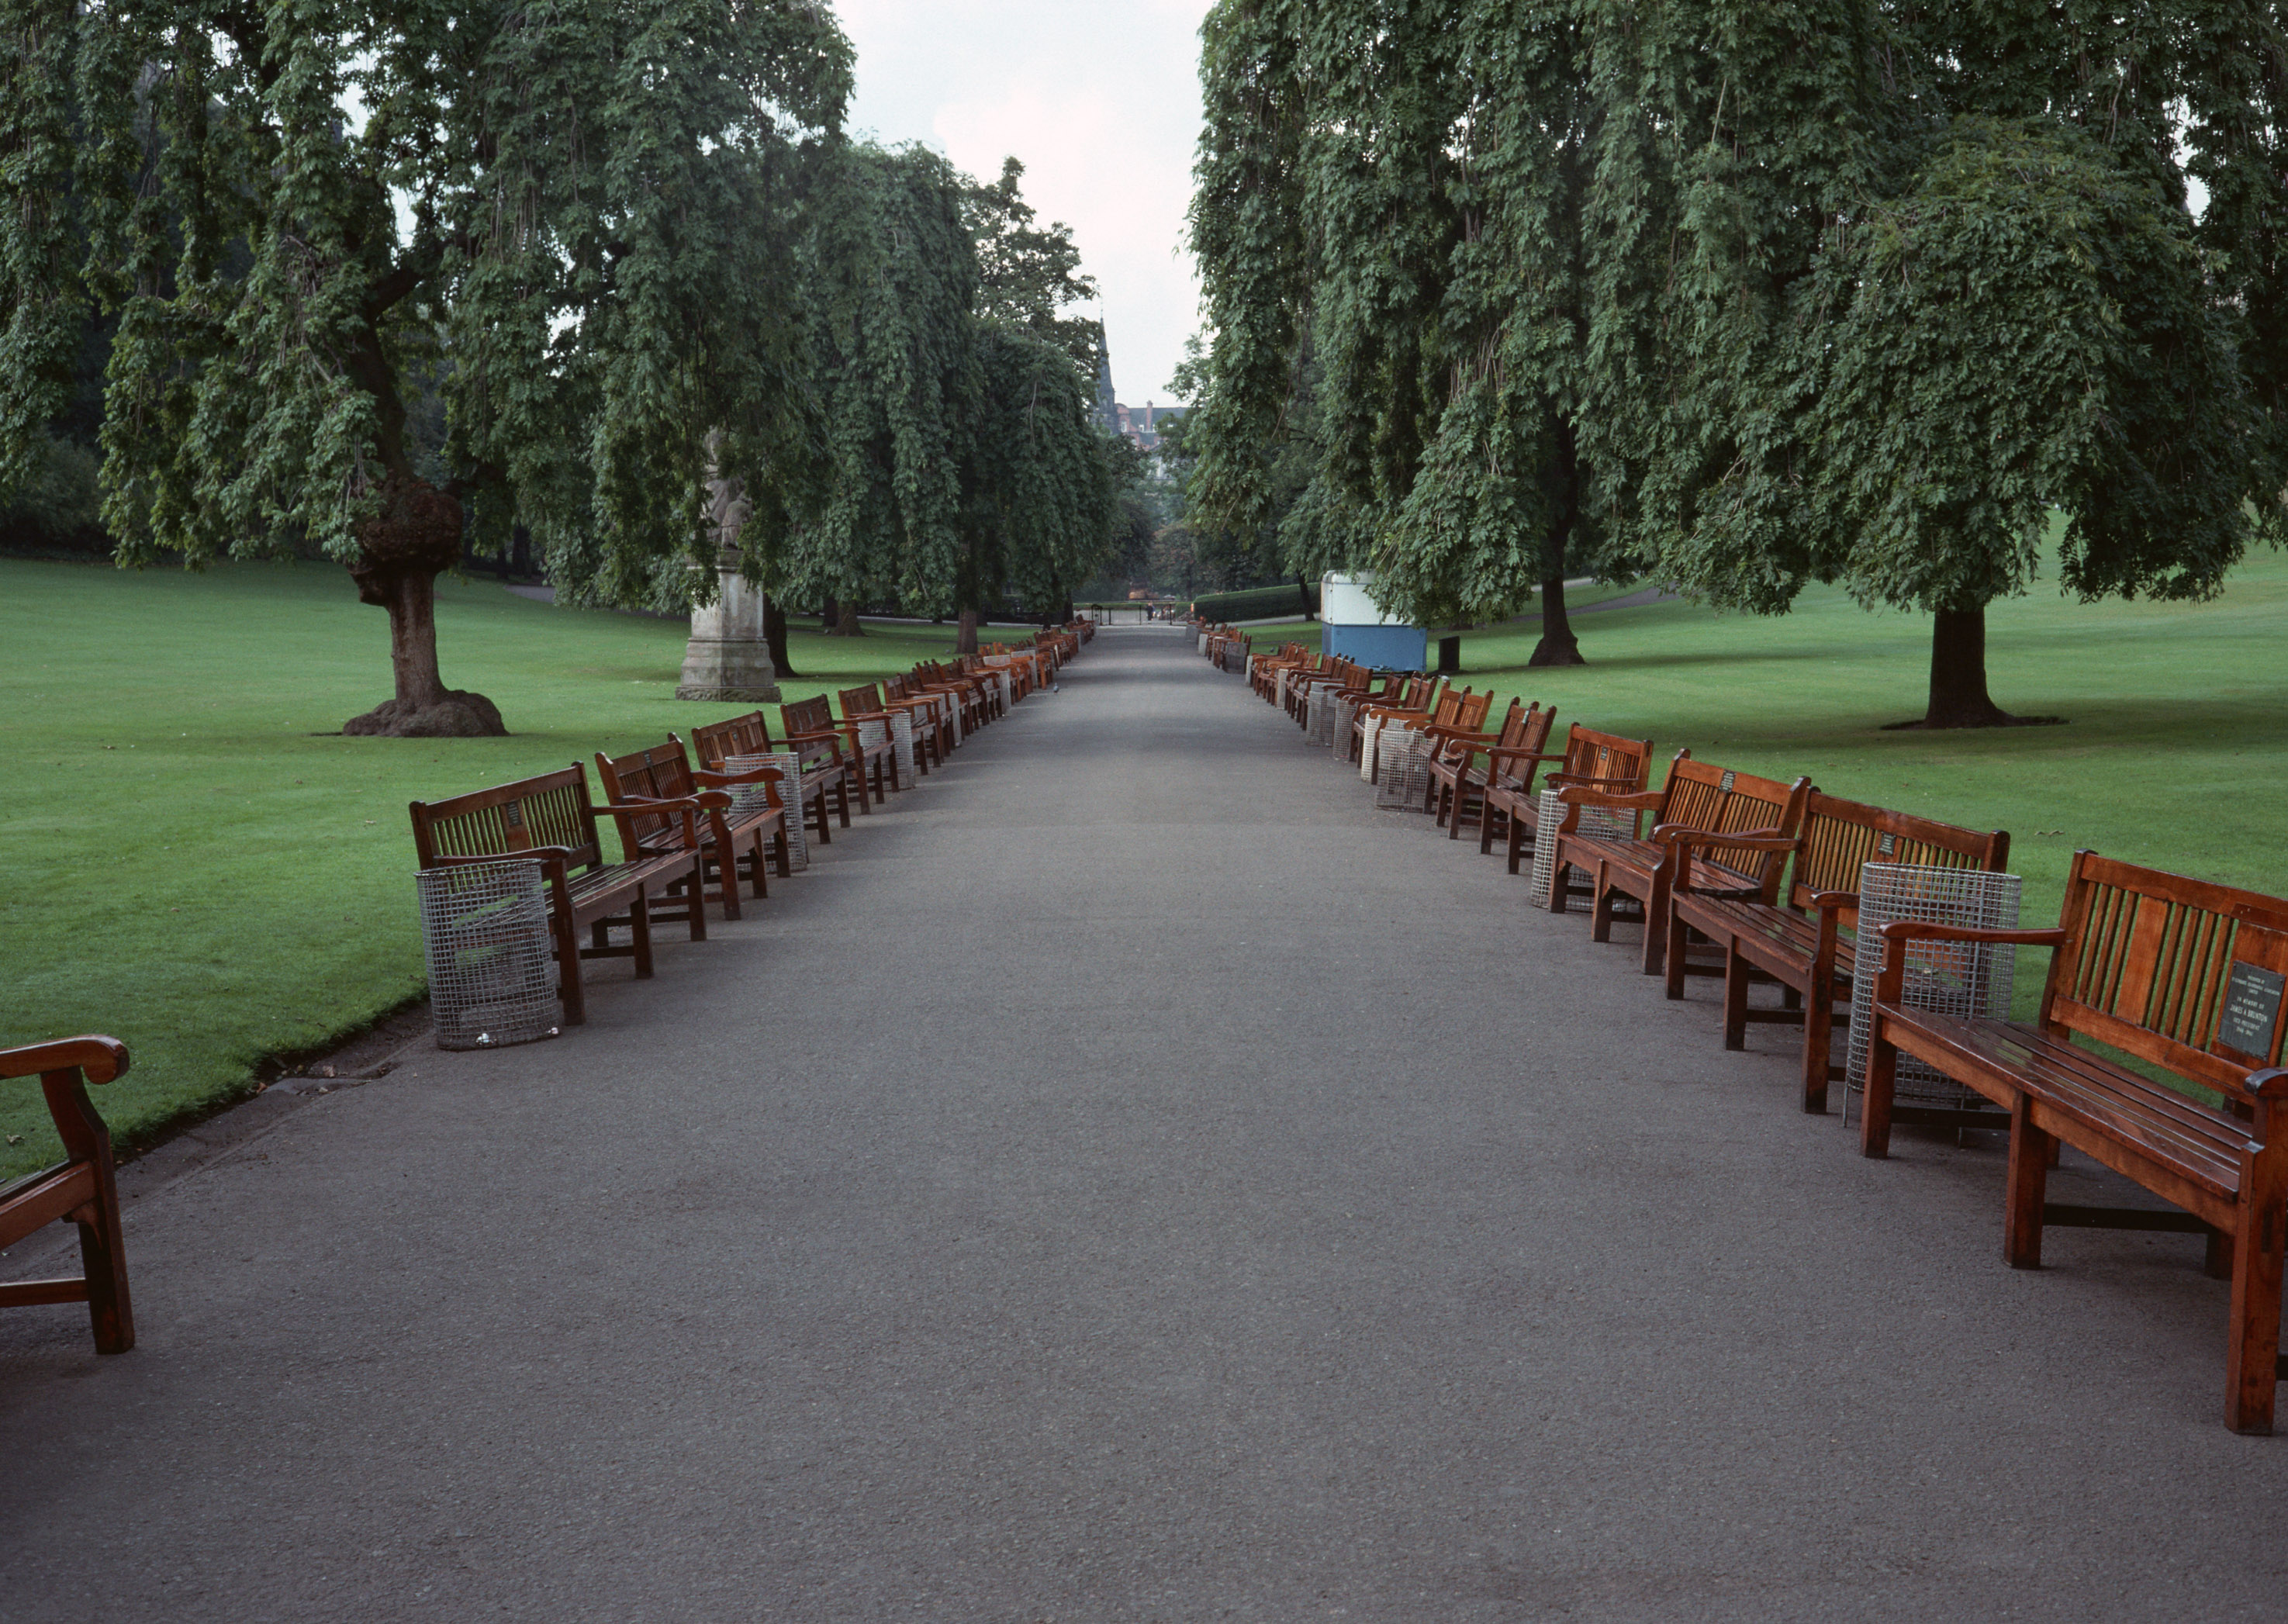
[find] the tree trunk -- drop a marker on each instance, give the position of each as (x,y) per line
(775,636)
(965,640)
(829,614)
(401,550)
(1557,645)
(520,550)
(1957,672)
(1304,587)
(1450,656)
(847,624)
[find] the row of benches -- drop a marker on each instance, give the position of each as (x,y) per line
(2155,1050)
(691,818)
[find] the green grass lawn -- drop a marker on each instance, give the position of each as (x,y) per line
(200,865)
(2176,749)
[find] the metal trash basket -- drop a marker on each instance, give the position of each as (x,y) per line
(1971,979)
(492,964)
(747,797)
(1594,820)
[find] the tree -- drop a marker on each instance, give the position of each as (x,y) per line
(1390,227)
(577,220)
(1927,276)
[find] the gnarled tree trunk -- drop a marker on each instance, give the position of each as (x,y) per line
(402,549)
(1557,645)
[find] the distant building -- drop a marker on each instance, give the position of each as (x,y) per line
(1133,424)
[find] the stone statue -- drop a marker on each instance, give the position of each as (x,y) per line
(728,658)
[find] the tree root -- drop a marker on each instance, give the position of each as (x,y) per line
(459,715)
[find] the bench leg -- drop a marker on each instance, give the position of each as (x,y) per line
(1736,988)
(782,850)
(760,876)
(1486,827)
(1674,980)
(568,989)
(2252,1358)
(726,882)
(2216,1257)
(640,927)
(2028,1188)
(102,1248)
(1600,912)
(842,799)
(1655,941)
(1875,1104)
(1818,1033)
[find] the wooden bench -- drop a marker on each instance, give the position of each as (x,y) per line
(865,705)
(971,692)
(551,820)
(733,834)
(865,767)
(1698,798)
(79,1189)
(1524,730)
(1328,678)
(717,742)
(1799,942)
(936,713)
(1592,760)
(2184,976)
(1420,700)
(1465,722)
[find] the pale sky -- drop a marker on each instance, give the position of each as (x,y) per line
(1100,102)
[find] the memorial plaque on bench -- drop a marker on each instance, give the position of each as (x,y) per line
(2250,1016)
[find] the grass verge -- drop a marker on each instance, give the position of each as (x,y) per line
(204,868)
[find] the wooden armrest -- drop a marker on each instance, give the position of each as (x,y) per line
(1834,901)
(754,775)
(2269,1082)
(1751,840)
(99,1059)
(681,803)
(1518,752)
(543,855)
(1582,795)
(1920,930)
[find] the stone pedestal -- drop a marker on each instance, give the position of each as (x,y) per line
(727,658)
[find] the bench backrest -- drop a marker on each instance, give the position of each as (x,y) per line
(2178,971)
(1608,760)
(1840,836)
(660,773)
(807,716)
(1470,715)
(1700,794)
(746,735)
(859,702)
(550,810)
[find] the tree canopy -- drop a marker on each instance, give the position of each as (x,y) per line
(1852,292)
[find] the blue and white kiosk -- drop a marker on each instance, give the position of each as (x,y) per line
(1356,630)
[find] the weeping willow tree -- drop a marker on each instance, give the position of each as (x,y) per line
(573,220)
(1932,279)
(958,460)
(1852,292)
(1390,229)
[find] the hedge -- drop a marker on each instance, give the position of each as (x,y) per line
(1262,603)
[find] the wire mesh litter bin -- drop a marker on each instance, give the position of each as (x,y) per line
(1594,820)
(492,965)
(1971,979)
(749,797)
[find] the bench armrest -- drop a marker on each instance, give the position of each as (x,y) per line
(97,1058)
(1833,901)
(1920,930)
(1750,840)
(754,775)
(543,855)
(1583,794)
(2266,1082)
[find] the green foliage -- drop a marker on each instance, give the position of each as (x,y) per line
(1743,297)
(579,221)
(1258,604)
(962,459)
